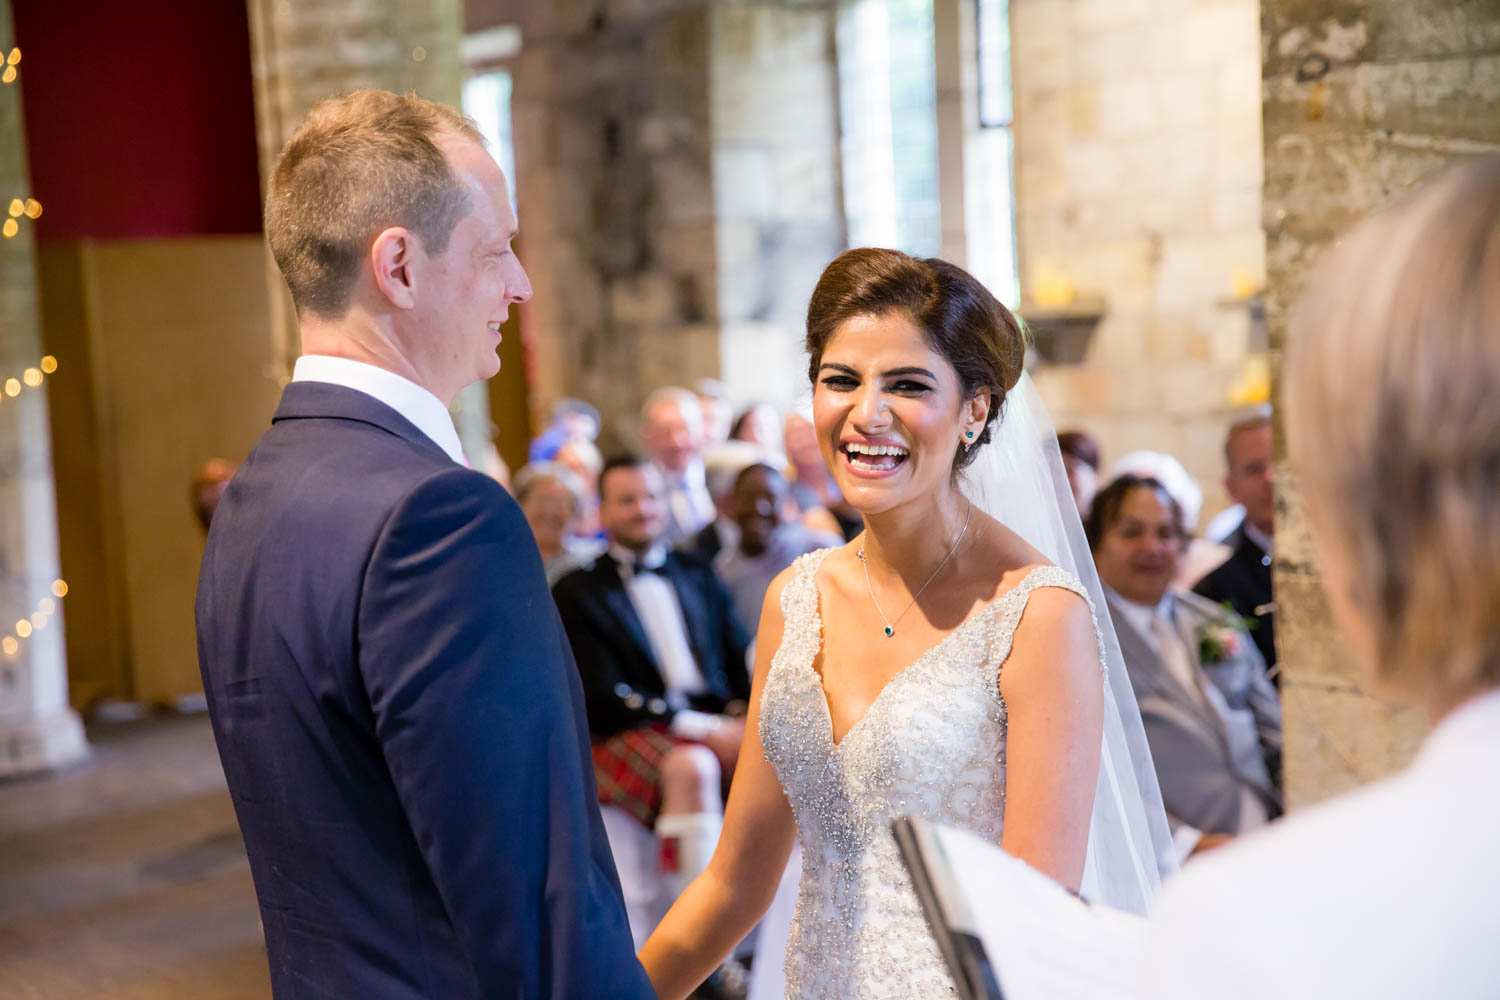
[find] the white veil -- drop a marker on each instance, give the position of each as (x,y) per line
(1018,479)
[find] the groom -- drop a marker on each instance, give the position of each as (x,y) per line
(398,715)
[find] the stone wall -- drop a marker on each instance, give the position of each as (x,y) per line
(1362,100)
(614,192)
(778,200)
(1138,186)
(677,188)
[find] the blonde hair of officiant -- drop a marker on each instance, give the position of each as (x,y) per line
(1393,386)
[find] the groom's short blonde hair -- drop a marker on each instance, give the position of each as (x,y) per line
(360,163)
(1393,385)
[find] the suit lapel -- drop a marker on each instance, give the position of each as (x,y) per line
(694,617)
(621,608)
(1136,648)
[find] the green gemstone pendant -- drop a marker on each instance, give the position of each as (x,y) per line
(889,631)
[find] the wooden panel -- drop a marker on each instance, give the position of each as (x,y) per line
(181,371)
(84,463)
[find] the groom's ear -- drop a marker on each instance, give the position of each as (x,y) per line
(391,256)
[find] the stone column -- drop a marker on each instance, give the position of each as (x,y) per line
(778,195)
(679,192)
(38,729)
(1363,99)
(311,49)
(1137,159)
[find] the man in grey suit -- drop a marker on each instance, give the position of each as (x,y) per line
(1212,717)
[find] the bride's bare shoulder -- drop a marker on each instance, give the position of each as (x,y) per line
(1004,556)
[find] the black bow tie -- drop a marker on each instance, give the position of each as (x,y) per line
(636,568)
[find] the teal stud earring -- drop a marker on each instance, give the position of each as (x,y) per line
(969,435)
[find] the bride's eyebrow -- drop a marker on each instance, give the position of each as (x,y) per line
(892,373)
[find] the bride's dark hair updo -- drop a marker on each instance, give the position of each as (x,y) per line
(963,322)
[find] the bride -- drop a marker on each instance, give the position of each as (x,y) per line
(947,663)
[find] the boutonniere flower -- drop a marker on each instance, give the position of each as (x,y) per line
(1223,638)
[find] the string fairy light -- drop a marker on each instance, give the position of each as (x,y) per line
(10,73)
(20,208)
(31,378)
(25,628)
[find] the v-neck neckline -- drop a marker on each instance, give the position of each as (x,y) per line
(837,745)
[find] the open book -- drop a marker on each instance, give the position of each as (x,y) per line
(1007,931)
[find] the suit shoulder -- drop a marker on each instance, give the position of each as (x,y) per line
(1204,606)
(450,501)
(1214,583)
(579,580)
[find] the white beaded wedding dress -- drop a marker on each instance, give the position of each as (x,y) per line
(931,745)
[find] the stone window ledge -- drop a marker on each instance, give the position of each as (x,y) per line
(1061,334)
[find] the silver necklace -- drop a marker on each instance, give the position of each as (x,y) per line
(890,626)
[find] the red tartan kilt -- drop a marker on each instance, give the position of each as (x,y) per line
(627,768)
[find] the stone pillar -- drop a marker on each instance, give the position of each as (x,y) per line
(1137,158)
(615,198)
(38,729)
(953,31)
(305,51)
(1363,99)
(677,180)
(777,186)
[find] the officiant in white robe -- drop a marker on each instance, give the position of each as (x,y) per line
(1393,386)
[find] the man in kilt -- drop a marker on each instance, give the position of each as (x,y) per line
(662,658)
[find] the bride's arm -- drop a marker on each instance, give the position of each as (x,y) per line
(721,906)
(1055,707)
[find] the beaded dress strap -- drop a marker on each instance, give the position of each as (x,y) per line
(1013,606)
(799,599)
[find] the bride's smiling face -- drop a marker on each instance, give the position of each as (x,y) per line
(889,412)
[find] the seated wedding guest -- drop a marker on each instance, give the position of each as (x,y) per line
(662,659)
(551,497)
(1080,455)
(823,506)
(1213,719)
(1199,555)
(767,543)
(761,426)
(568,420)
(208,487)
(722,465)
(672,430)
(718,411)
(1393,425)
(1243,581)
(582,458)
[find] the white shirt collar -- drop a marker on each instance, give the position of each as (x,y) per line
(1140,615)
(693,475)
(1262,541)
(655,557)
(426,412)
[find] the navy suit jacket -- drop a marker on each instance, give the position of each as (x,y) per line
(622,685)
(401,724)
